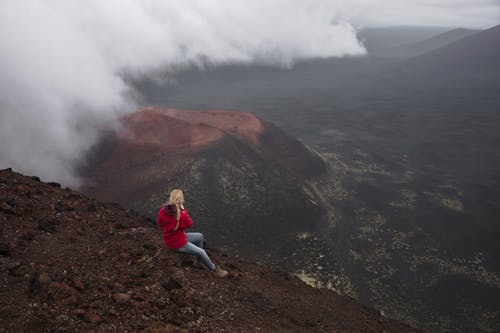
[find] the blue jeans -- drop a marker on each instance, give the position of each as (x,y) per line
(195,247)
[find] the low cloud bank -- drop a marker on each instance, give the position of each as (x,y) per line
(60,61)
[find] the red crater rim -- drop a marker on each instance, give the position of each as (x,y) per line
(184,128)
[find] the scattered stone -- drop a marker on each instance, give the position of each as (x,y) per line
(7,209)
(22,270)
(149,246)
(39,282)
(63,294)
(171,284)
(168,328)
(59,207)
(28,235)
(156,289)
(11,265)
(93,317)
(10,201)
(4,250)
(78,283)
(119,226)
(44,278)
(187,260)
(80,313)
(92,208)
(35,178)
(46,226)
(63,318)
(54,184)
(121,298)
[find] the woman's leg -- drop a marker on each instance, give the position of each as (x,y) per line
(199,253)
(196,238)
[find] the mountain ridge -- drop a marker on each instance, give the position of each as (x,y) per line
(478,52)
(408,50)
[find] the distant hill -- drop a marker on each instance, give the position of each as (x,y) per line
(479,52)
(239,173)
(69,263)
(408,50)
(378,40)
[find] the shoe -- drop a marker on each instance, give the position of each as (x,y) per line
(220,272)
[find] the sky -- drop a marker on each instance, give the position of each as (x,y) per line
(478,14)
(62,61)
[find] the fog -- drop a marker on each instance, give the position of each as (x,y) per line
(61,63)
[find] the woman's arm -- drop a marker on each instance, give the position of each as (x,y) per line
(185,221)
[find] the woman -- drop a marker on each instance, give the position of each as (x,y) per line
(173,218)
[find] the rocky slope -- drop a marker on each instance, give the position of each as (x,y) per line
(240,174)
(71,263)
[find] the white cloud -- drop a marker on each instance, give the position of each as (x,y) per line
(61,59)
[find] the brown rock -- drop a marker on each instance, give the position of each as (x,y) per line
(121,297)
(140,297)
(157,290)
(4,249)
(78,283)
(168,328)
(63,294)
(93,318)
(171,284)
(44,279)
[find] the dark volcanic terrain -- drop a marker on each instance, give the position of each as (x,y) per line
(70,263)
(412,188)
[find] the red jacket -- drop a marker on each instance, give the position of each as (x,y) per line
(167,220)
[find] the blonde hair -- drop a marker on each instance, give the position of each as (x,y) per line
(177,198)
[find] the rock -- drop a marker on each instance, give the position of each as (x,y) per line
(92,208)
(11,265)
(7,209)
(63,294)
(119,226)
(121,298)
(63,318)
(78,283)
(149,246)
(10,201)
(54,184)
(39,282)
(28,235)
(59,207)
(4,250)
(156,289)
(140,297)
(187,260)
(171,284)
(80,313)
(93,317)
(44,278)
(168,328)
(46,226)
